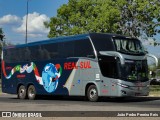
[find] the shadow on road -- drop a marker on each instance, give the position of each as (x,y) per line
(129,99)
(103,99)
(83,99)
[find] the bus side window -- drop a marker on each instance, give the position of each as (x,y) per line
(43,53)
(50,51)
(66,49)
(6,56)
(83,48)
(27,54)
(15,55)
(34,54)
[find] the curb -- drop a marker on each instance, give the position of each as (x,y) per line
(154,95)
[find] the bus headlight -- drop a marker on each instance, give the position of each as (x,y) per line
(122,85)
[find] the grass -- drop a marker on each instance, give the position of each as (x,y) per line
(155,87)
(154,90)
(154,93)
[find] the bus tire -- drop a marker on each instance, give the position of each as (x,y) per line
(92,93)
(22,92)
(31,92)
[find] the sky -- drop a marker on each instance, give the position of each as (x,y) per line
(13,20)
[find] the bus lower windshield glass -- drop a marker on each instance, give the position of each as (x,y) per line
(130,46)
(135,71)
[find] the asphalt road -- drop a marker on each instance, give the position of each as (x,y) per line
(137,104)
(47,103)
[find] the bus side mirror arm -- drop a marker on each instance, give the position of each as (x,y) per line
(153,56)
(113,53)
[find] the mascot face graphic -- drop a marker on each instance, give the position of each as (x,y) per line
(50,75)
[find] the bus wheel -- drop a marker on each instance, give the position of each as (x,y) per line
(22,92)
(92,93)
(31,92)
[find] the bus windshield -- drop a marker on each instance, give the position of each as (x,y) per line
(129,46)
(135,71)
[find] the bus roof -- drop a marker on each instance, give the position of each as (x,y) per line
(63,39)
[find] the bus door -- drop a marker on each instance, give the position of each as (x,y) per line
(109,69)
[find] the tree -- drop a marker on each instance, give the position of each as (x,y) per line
(129,17)
(139,18)
(81,16)
(1,40)
(1,34)
(158,64)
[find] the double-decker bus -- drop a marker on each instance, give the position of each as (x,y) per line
(92,65)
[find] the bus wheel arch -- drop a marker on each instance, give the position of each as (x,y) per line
(91,92)
(31,92)
(21,91)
